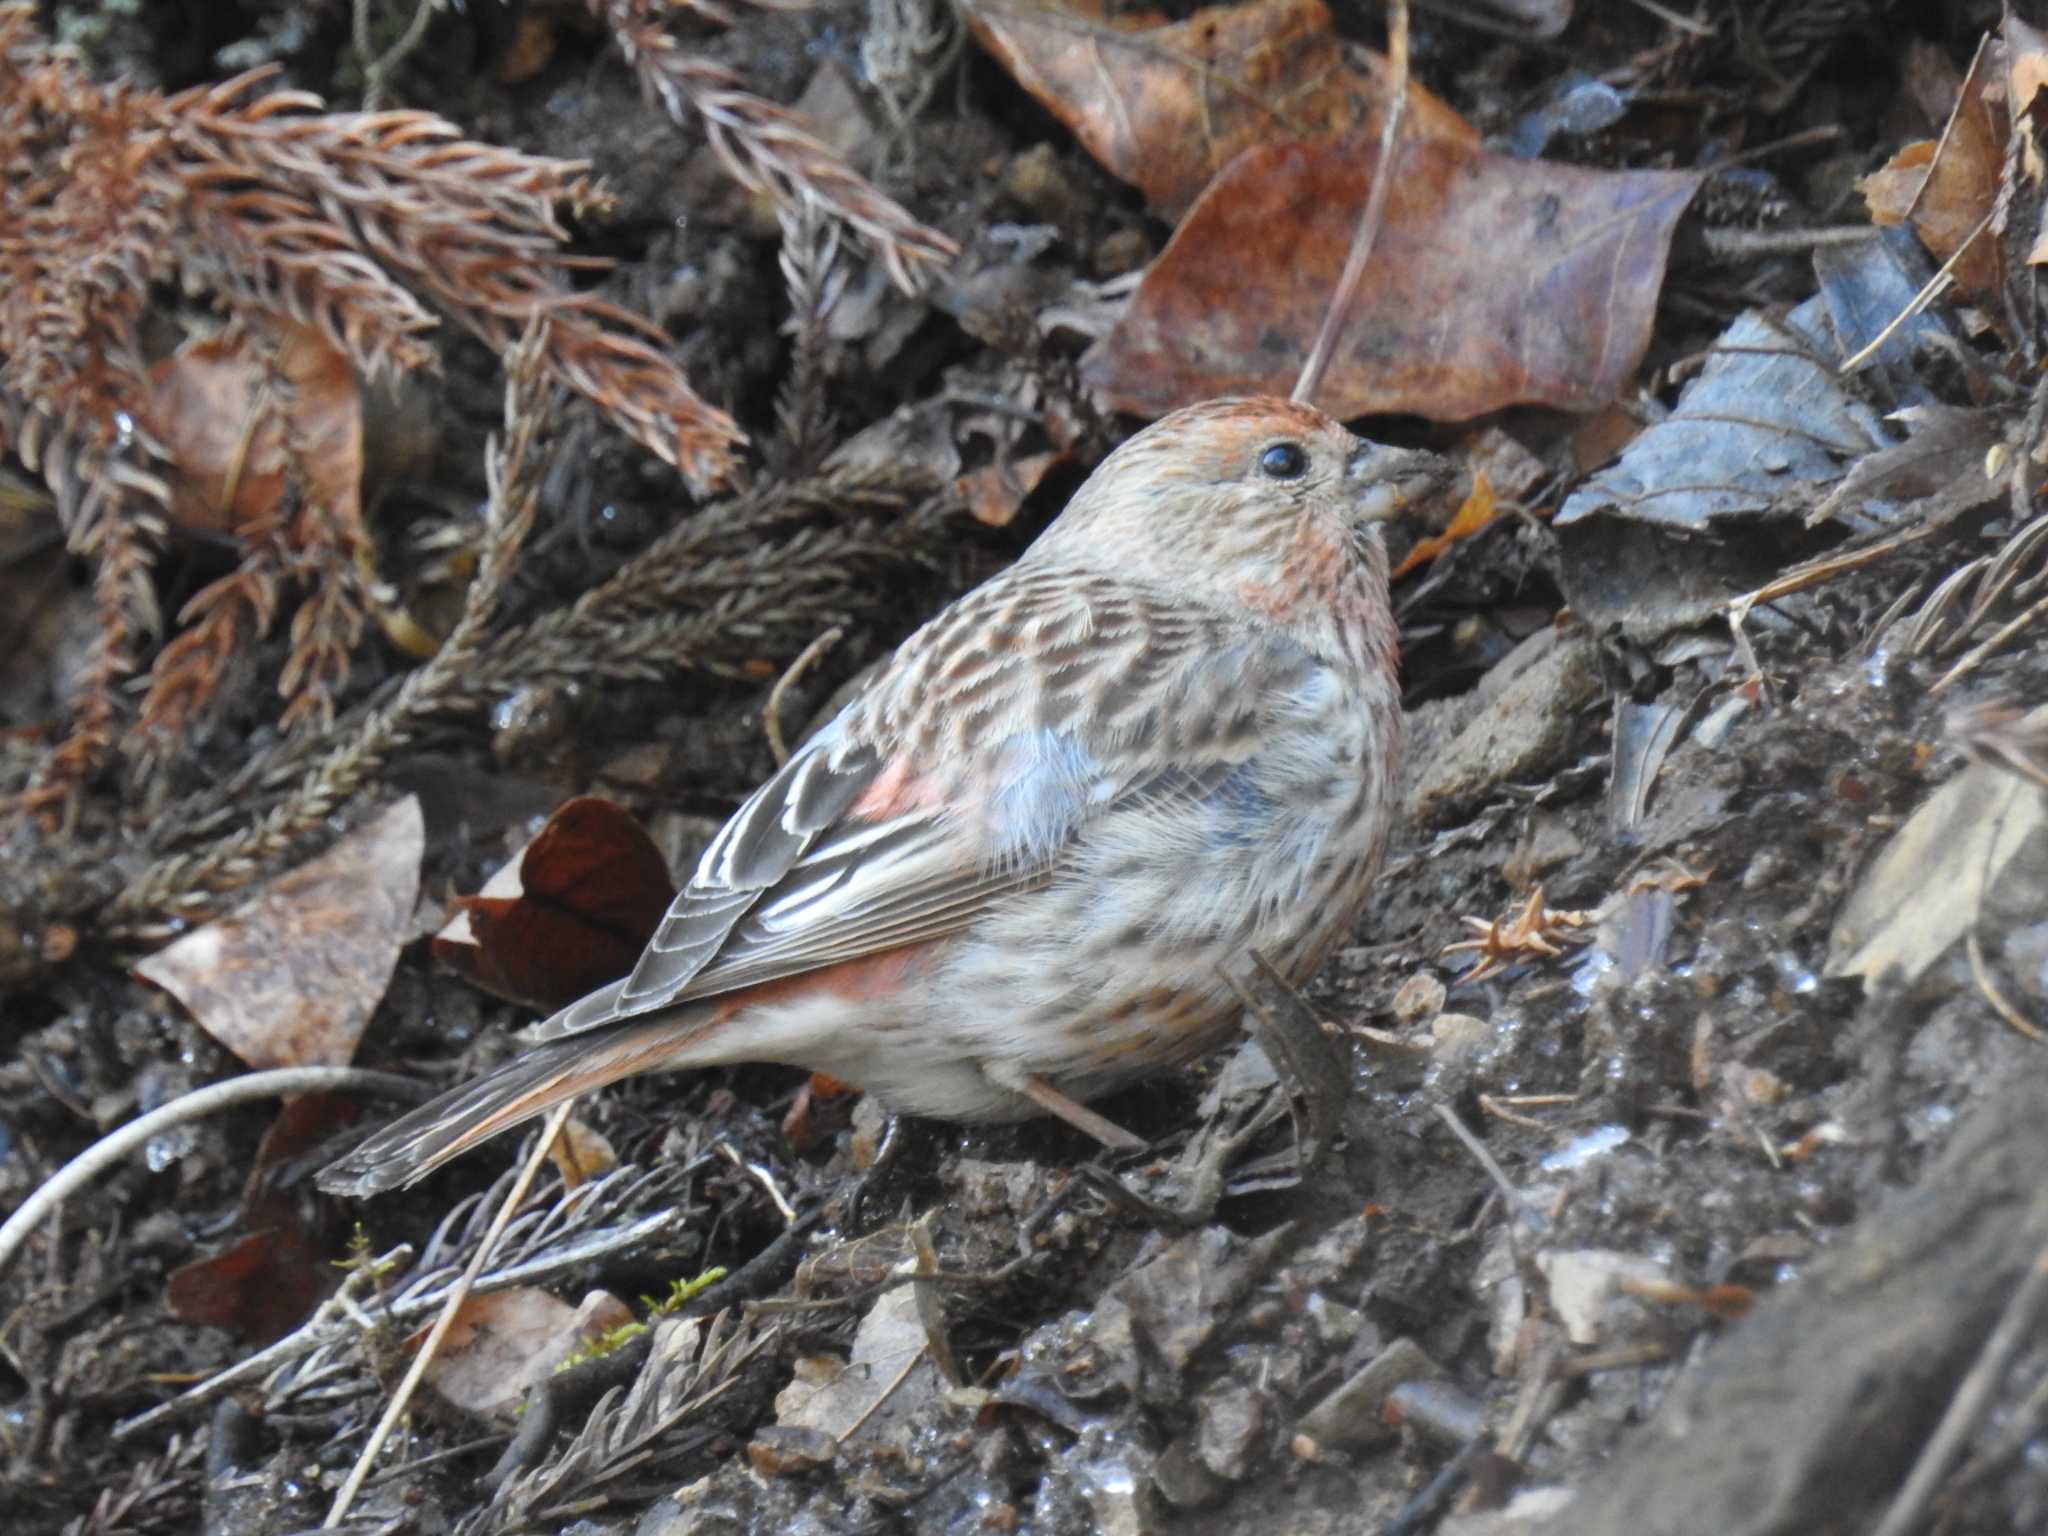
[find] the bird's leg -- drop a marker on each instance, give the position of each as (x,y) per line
(1053,1102)
(896,1134)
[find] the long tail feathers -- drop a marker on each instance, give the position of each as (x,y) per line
(413,1146)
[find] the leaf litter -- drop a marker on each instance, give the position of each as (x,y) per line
(1769,591)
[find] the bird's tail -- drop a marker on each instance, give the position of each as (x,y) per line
(414,1145)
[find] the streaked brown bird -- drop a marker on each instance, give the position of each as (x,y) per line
(1017,869)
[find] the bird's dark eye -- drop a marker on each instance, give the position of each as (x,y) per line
(1284,461)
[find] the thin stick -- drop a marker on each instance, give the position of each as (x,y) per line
(250,1088)
(1972,1400)
(1669,17)
(1480,1155)
(2000,1003)
(1338,316)
(457,1295)
(1768,242)
(1933,287)
(1976,656)
(772,712)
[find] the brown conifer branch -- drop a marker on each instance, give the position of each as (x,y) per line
(112,510)
(220,620)
(471,225)
(188,887)
(768,148)
(343,221)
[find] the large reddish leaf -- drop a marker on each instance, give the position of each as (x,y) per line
(570,913)
(259,1287)
(1494,282)
(1166,105)
(264,1283)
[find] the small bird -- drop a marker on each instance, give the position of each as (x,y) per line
(1019,868)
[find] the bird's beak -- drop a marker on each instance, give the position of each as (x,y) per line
(1385,480)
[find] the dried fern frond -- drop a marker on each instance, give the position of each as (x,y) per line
(815,281)
(159,1493)
(86,214)
(768,148)
(190,887)
(112,509)
(264,419)
(691,1364)
(275,178)
(351,223)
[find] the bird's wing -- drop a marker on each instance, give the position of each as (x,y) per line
(850,850)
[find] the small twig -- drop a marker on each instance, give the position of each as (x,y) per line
(251,1088)
(809,657)
(761,1176)
(336,1308)
(1480,1155)
(457,1295)
(1499,1110)
(2029,444)
(570,1394)
(2000,1003)
(1541,1394)
(1338,316)
(418,1299)
(377,71)
(1771,242)
(1424,1509)
(1933,287)
(1622,1357)
(1672,18)
(1805,138)
(1978,654)
(1971,1401)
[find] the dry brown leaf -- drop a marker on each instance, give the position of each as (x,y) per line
(1478,509)
(580,1153)
(1496,281)
(238,412)
(1962,179)
(1166,105)
(1927,888)
(259,1287)
(290,977)
(1891,190)
(995,491)
(2026,72)
(504,1342)
(268,1281)
(891,1373)
(571,912)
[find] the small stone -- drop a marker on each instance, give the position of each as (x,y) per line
(1121,251)
(1549,844)
(1183,1481)
(1457,1035)
(1350,1415)
(1230,1428)
(1420,999)
(782,1450)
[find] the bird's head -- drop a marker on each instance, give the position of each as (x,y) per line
(1256,503)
